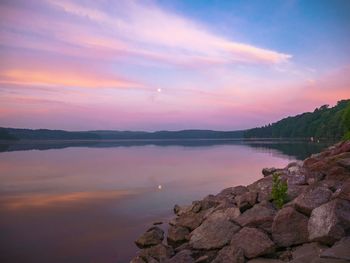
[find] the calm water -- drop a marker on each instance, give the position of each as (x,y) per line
(88,202)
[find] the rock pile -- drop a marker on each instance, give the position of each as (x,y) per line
(242,224)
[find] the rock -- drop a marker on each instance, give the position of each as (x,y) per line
(294,191)
(263,188)
(286,255)
(345,163)
(190,220)
(296,179)
(185,256)
(268,171)
(254,242)
(184,246)
(340,250)
(343,192)
(232,192)
(232,213)
(196,206)
(159,252)
(312,198)
(215,232)
(329,222)
(177,235)
(265,260)
(246,200)
(209,202)
(289,228)
(230,254)
(307,252)
(157,223)
(180,210)
(325,260)
(152,237)
(137,260)
(261,216)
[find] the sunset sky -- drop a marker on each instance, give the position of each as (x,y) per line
(153,65)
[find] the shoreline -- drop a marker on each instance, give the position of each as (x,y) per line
(245,224)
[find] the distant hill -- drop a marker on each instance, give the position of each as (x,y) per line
(44,134)
(322,123)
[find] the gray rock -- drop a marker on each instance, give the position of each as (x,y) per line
(246,200)
(184,256)
(215,232)
(230,254)
(254,242)
(261,216)
(329,222)
(159,252)
(152,237)
(177,235)
(289,228)
(340,250)
(311,198)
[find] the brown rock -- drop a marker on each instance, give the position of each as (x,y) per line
(190,219)
(268,171)
(185,256)
(246,200)
(263,188)
(137,260)
(307,252)
(340,250)
(215,232)
(261,216)
(159,252)
(264,260)
(329,222)
(289,228)
(152,237)
(254,242)
(230,254)
(312,198)
(177,235)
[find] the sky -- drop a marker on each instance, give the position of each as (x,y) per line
(169,65)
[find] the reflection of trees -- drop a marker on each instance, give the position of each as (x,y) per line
(294,149)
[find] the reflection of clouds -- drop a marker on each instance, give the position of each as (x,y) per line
(39,200)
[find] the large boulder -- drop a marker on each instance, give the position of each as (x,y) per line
(184,256)
(159,252)
(340,250)
(230,254)
(289,227)
(343,191)
(330,222)
(260,216)
(215,232)
(268,171)
(311,198)
(253,242)
(151,237)
(177,235)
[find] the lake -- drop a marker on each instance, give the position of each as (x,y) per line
(88,201)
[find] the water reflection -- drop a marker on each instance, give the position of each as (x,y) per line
(87,203)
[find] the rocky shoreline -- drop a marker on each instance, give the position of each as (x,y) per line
(244,224)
